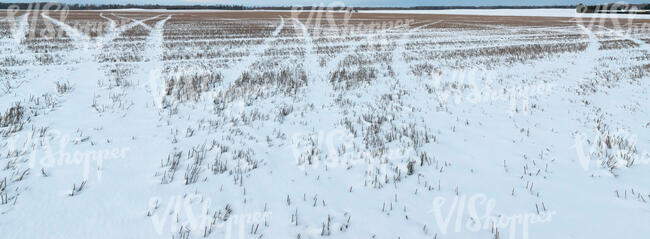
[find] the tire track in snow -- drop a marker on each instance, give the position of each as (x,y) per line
(13,44)
(333,64)
(19,30)
(130,175)
(231,74)
(77,37)
(145,128)
(85,119)
(81,39)
(642,44)
(319,87)
(111,23)
(88,71)
(593,39)
(399,65)
(90,67)
(311,59)
(153,55)
(139,22)
(16,41)
(114,31)
(416,88)
(574,68)
(587,62)
(112,28)
(135,23)
(153,51)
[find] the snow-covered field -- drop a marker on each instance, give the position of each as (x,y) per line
(275,125)
(542,12)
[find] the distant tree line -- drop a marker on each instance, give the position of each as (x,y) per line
(425,7)
(612,8)
(483,7)
(241,7)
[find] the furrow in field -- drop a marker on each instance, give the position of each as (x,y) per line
(231,74)
(399,64)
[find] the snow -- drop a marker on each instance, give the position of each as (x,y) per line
(294,128)
(542,12)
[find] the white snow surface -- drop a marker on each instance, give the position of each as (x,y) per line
(180,129)
(541,12)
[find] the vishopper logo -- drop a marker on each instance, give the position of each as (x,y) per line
(324,22)
(310,148)
(617,18)
(24,21)
(476,213)
(48,21)
(157,87)
(235,109)
(169,88)
(54,150)
(44,21)
(477,85)
(336,148)
(609,150)
(185,214)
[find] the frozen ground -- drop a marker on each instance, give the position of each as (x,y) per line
(544,12)
(274,125)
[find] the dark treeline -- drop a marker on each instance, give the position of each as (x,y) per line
(422,7)
(612,8)
(481,7)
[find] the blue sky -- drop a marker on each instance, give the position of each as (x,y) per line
(401,3)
